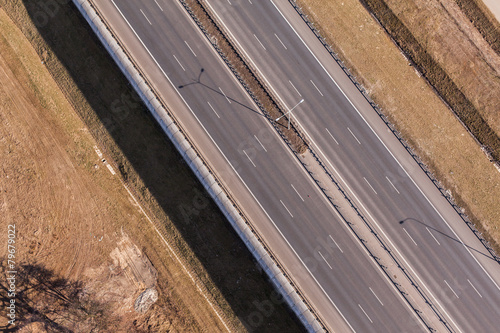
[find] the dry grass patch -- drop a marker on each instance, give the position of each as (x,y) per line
(435,38)
(411,104)
(67,208)
(456,59)
(484,21)
(79,98)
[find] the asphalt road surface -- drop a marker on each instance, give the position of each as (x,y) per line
(344,284)
(393,192)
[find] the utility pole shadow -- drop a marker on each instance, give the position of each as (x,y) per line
(410,219)
(198,81)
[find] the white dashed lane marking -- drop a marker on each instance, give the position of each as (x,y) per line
(259,42)
(353,135)
(280,41)
(190,49)
(286,208)
(145,17)
(316,88)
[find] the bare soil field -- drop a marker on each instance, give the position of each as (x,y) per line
(65,204)
(446,38)
(87,243)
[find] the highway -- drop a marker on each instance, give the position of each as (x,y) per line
(380,176)
(348,289)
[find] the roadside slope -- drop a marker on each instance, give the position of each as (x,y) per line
(411,104)
(74,214)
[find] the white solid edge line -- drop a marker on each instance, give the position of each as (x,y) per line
(387,149)
(246,186)
(388,239)
(391,284)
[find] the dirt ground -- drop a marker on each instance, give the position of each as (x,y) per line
(411,104)
(70,212)
(458,47)
(79,228)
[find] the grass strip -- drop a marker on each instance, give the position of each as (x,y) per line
(417,112)
(437,77)
(483,20)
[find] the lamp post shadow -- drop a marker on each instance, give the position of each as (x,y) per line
(198,81)
(410,219)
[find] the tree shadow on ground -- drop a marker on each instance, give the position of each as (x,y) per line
(34,294)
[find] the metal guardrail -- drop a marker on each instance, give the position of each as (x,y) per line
(339,187)
(200,155)
(261,107)
(397,134)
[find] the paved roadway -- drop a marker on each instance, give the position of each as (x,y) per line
(348,289)
(394,194)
